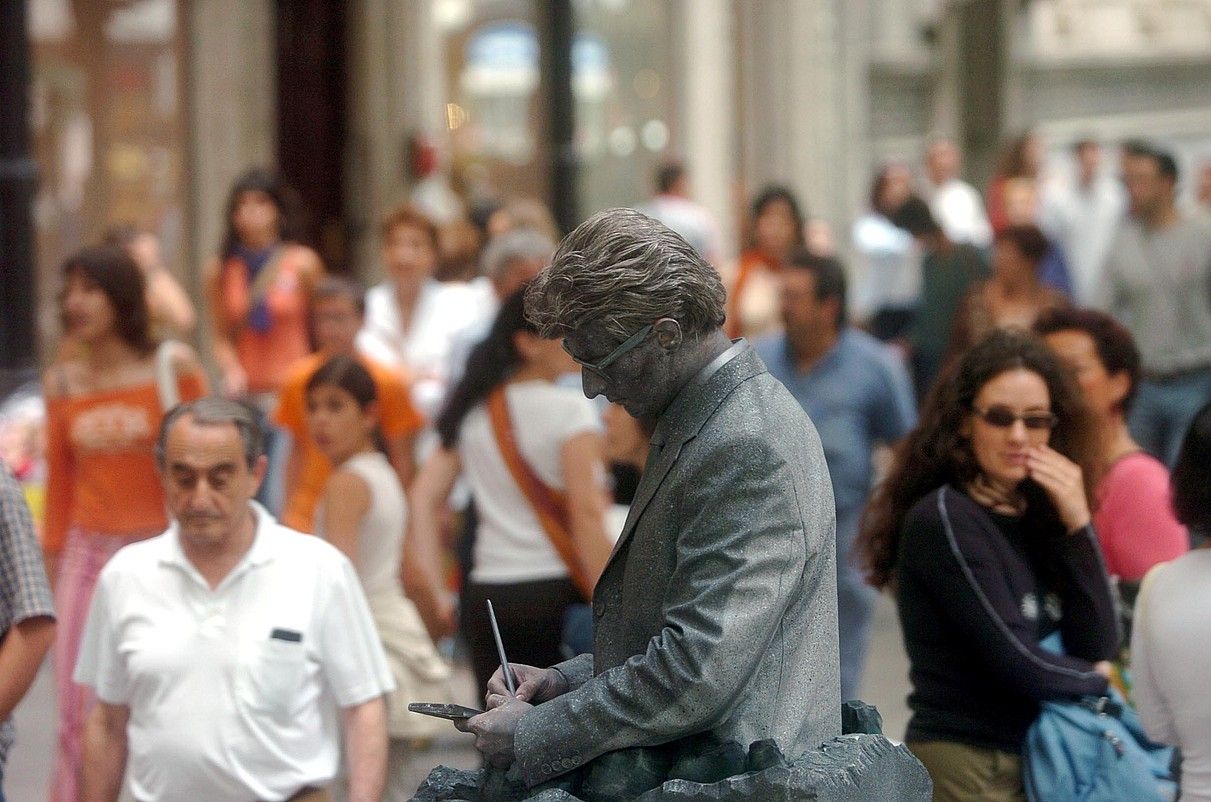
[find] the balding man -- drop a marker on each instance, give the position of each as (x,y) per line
(228,653)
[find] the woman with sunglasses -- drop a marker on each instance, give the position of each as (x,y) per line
(983,531)
(531,453)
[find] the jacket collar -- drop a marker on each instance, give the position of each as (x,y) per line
(704,393)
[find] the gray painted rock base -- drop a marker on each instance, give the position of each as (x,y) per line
(850,768)
(847,769)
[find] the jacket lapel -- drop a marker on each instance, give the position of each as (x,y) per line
(680,423)
(659,463)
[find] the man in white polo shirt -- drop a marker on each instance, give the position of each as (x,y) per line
(227,652)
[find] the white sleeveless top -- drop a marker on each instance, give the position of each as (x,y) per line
(510,543)
(380,536)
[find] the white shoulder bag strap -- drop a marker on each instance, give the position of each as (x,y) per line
(166,376)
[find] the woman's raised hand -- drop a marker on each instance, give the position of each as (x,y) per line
(1063,482)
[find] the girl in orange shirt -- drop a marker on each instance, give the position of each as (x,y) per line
(103,416)
(259,293)
(778,231)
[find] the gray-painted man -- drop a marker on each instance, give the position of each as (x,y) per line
(717,613)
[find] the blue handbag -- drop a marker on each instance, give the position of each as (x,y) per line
(1094,749)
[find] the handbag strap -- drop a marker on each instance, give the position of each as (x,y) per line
(166,379)
(258,288)
(550,506)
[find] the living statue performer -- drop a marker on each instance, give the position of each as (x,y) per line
(716,615)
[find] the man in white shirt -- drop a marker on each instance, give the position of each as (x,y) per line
(672,206)
(411,317)
(223,650)
(955,204)
(1082,217)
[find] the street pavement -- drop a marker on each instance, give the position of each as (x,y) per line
(29,764)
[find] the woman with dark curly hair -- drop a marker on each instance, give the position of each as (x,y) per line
(1171,642)
(983,531)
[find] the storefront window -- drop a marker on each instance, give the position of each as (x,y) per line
(621,81)
(625,107)
(493,115)
(108,125)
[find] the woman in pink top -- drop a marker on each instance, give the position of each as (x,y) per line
(1134,517)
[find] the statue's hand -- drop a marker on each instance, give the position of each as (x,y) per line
(534,685)
(494,731)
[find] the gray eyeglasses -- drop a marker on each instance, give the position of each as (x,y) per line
(629,344)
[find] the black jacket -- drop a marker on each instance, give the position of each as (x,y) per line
(976,592)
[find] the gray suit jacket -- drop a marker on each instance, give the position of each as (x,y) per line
(717,611)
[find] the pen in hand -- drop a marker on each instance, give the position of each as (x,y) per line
(500,650)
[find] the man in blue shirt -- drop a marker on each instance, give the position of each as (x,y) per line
(857,393)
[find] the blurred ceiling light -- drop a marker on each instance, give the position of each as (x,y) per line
(622,141)
(456,116)
(655,135)
(50,20)
(451,15)
(143,21)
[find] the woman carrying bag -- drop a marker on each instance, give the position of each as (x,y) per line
(982,529)
(531,453)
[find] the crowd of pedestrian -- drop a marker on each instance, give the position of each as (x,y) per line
(283,560)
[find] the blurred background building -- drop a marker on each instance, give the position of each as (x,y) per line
(146,110)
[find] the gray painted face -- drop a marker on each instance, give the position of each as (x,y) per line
(642,377)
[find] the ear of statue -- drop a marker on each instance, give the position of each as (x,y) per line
(668,333)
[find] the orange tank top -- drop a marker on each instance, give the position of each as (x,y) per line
(266,356)
(753,263)
(101,472)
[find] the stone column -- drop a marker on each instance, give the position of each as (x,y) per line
(18,182)
(806,114)
(981,61)
(233,116)
(707,80)
(396,86)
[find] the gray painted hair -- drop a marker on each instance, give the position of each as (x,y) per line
(515,246)
(213,410)
(626,270)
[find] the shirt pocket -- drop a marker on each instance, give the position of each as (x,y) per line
(271,677)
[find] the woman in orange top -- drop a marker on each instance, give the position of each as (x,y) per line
(259,293)
(778,231)
(103,415)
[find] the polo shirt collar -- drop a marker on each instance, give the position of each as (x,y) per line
(265,543)
(829,356)
(702,395)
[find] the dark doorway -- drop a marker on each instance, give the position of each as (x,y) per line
(311,118)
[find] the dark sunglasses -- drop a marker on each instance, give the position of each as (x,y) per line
(629,344)
(1004,417)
